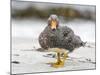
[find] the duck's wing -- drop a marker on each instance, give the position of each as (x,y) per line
(67,32)
(70,40)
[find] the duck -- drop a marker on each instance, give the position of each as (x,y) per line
(59,39)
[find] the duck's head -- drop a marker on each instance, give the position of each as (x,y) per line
(53,22)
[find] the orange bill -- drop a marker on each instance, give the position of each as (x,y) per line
(53,24)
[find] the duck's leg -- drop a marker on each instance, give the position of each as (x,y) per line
(58,58)
(60,62)
(65,56)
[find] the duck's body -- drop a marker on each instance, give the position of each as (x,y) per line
(60,38)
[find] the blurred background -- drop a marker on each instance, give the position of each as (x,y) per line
(39,10)
(30,18)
